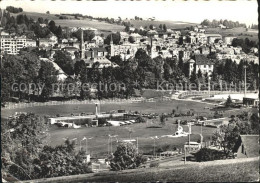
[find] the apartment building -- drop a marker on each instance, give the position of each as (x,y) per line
(12,44)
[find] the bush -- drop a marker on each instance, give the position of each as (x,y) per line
(206,154)
(154,164)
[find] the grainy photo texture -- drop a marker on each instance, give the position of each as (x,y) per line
(129,91)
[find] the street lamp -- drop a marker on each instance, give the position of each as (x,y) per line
(245,80)
(85,138)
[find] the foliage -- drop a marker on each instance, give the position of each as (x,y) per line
(26,155)
(12,9)
(154,164)
(131,39)
(228,102)
(88,35)
(227,23)
(63,59)
(162,119)
(115,37)
(47,77)
(206,154)
(126,156)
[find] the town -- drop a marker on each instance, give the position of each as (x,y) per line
(131,95)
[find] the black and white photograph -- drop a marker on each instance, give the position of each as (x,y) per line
(129,91)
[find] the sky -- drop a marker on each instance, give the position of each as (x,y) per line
(192,11)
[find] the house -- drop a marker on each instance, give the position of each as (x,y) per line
(44,42)
(137,37)
(251,101)
(211,38)
(162,34)
(98,56)
(124,36)
(203,64)
(222,26)
(98,40)
(30,43)
(43,25)
(191,66)
(247,146)
(228,39)
(131,29)
(152,33)
(64,41)
(96,52)
(71,50)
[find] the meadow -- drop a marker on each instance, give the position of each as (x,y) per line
(170,24)
(238,32)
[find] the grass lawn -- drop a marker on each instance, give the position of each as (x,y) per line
(233,172)
(144,107)
(99,144)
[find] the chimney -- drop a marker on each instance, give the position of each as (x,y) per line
(111,40)
(82,45)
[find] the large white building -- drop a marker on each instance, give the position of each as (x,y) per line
(201,63)
(12,44)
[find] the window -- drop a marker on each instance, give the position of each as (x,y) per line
(242,149)
(204,66)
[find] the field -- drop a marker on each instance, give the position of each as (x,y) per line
(35,15)
(99,144)
(144,107)
(169,24)
(239,32)
(101,26)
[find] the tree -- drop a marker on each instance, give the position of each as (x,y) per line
(58,32)
(63,59)
(164,27)
(161,26)
(47,12)
(127,28)
(47,77)
(79,67)
(52,26)
(22,138)
(131,39)
(162,119)
(151,27)
(228,102)
(116,38)
(126,156)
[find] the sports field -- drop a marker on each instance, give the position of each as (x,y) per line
(99,144)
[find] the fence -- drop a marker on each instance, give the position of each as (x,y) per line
(77,102)
(190,93)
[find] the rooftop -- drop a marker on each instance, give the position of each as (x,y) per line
(251,144)
(202,60)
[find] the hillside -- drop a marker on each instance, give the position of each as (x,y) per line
(102,26)
(168,23)
(35,15)
(234,170)
(239,32)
